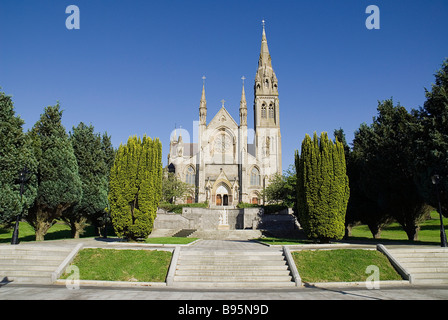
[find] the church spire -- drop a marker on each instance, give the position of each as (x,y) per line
(243,106)
(265,57)
(265,80)
(203,105)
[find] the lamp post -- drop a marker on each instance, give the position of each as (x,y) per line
(435,180)
(22,180)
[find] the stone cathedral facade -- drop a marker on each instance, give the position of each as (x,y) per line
(223,166)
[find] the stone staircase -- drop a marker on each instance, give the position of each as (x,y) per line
(30,263)
(226,234)
(232,268)
(425,265)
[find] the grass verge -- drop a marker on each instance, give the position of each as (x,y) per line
(122,265)
(342,265)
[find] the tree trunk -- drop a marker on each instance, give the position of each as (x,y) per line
(412,232)
(375,230)
(77,227)
(43,223)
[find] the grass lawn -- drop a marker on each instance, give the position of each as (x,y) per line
(59,230)
(170,240)
(342,265)
(429,232)
(122,265)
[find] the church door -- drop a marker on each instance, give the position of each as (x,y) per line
(225,200)
(218,200)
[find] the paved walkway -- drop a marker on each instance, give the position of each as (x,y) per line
(60,292)
(13,291)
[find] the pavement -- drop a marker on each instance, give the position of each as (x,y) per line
(399,291)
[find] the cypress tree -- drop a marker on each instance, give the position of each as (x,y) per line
(322,188)
(135,187)
(59,185)
(92,169)
(16,154)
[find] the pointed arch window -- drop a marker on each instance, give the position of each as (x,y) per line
(271,111)
(255,177)
(191,176)
(263,111)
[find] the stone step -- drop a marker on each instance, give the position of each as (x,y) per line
(430,281)
(29,262)
(223,262)
(34,257)
(411,264)
(429,275)
(226,234)
(26,247)
(421,254)
(411,259)
(213,259)
(227,253)
(232,273)
(34,279)
(40,267)
(236,284)
(25,273)
(437,269)
(233,278)
(233,267)
(413,250)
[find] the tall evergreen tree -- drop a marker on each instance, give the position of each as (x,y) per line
(59,185)
(385,152)
(322,188)
(16,154)
(135,187)
(92,168)
(432,140)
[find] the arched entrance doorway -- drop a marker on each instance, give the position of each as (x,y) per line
(223,197)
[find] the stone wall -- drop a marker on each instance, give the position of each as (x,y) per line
(225,219)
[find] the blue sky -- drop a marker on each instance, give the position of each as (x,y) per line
(135,67)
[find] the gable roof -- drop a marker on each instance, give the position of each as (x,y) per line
(223,118)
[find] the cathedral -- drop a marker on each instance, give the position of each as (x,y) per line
(223,167)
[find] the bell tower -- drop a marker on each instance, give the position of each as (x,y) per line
(266,112)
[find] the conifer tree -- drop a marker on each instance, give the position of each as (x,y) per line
(92,170)
(135,187)
(59,185)
(322,188)
(16,154)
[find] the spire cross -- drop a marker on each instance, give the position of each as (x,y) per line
(222,101)
(203,79)
(263,23)
(243,78)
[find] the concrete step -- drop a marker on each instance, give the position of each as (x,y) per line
(213,259)
(223,262)
(421,254)
(226,234)
(242,268)
(31,263)
(430,281)
(25,273)
(432,269)
(425,265)
(419,250)
(410,259)
(40,267)
(429,275)
(34,257)
(234,278)
(237,284)
(232,273)
(193,252)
